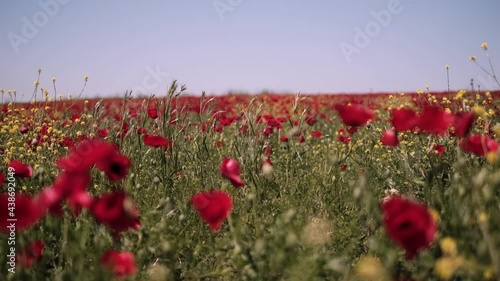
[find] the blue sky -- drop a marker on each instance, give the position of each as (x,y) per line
(245,45)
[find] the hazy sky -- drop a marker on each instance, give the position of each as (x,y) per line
(245,45)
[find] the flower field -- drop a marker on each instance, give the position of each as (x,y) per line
(267,187)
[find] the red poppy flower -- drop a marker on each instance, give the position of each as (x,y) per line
(31,253)
(86,155)
(213,207)
(120,264)
(50,199)
(231,170)
(153,113)
(67,142)
(284,139)
(115,167)
(71,182)
(141,131)
(463,123)
(438,149)
(343,167)
(409,224)
(273,123)
(267,131)
(103,133)
(157,141)
(116,210)
(132,112)
(479,145)
(75,116)
(316,134)
(123,132)
(218,128)
(352,130)
(344,139)
(26,212)
(404,119)
(79,200)
(390,138)
(435,120)
(311,120)
(20,169)
(301,139)
(354,115)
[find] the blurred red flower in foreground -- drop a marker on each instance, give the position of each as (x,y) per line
(68,185)
(30,253)
(20,169)
(435,120)
(26,212)
(116,210)
(115,167)
(120,264)
(390,138)
(432,119)
(463,123)
(86,155)
(479,145)
(157,141)
(404,119)
(213,207)
(231,170)
(409,224)
(354,115)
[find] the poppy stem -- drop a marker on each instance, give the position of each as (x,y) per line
(491,248)
(483,227)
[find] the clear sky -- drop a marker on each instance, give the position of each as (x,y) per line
(245,45)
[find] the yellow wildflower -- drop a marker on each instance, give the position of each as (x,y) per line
(448,246)
(445,267)
(479,110)
(370,268)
